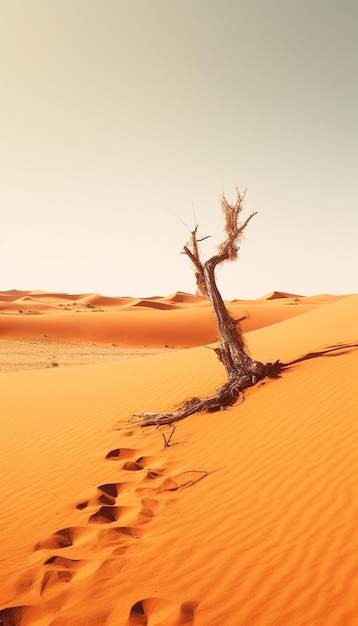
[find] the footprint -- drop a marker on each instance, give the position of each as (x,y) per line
(148,507)
(82,505)
(11,616)
(140,463)
(60,539)
(68,539)
(26,614)
(132,466)
(119,533)
(187,613)
(151,475)
(16,615)
(105,515)
(108,493)
(161,611)
(137,616)
(61,570)
(54,577)
(121,453)
(60,561)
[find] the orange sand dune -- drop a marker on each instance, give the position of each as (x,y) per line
(185,298)
(275,295)
(37,295)
(155,304)
(248,516)
(97,300)
(27,306)
(12,294)
(55,296)
(180,320)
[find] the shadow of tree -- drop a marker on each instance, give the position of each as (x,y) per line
(275,370)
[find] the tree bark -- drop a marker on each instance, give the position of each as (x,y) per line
(232,352)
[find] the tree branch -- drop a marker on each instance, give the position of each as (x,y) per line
(193,259)
(227,245)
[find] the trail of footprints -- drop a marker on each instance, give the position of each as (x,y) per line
(112,524)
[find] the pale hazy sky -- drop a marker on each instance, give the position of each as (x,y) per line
(119,116)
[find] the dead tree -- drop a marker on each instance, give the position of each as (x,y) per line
(242,370)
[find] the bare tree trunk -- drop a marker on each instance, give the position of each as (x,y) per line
(232,351)
(242,370)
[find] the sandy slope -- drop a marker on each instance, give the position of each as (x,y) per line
(248,518)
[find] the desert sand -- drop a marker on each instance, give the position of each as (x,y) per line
(247,518)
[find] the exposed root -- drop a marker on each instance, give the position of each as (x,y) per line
(226,396)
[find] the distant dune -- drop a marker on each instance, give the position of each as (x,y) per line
(248,517)
(278,295)
(185,320)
